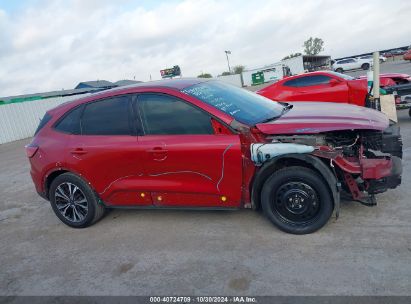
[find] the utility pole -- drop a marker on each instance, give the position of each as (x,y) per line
(376,80)
(228,61)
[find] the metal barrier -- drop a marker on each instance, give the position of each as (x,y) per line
(20,120)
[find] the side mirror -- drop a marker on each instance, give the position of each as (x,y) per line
(333,82)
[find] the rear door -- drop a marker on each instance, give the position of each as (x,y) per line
(105,151)
(188,163)
(352,64)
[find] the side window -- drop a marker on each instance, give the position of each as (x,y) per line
(70,123)
(163,114)
(292,83)
(107,117)
(313,80)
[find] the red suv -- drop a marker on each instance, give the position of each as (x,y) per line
(205,144)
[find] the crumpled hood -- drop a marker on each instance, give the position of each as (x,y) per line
(317,117)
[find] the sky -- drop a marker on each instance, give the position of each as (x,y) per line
(54,44)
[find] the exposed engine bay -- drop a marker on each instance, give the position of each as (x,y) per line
(375,143)
(366,162)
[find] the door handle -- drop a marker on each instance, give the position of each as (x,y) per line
(158,153)
(157,150)
(79,151)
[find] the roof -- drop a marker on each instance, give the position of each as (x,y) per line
(59,93)
(95,84)
(125,82)
(178,84)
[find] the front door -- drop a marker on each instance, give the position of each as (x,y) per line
(186,163)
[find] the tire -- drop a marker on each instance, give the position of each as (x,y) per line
(339,70)
(297,200)
(74,202)
(365,66)
(409,112)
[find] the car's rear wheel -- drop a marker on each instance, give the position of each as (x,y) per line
(365,66)
(74,202)
(339,70)
(297,200)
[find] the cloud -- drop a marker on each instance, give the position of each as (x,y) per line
(47,45)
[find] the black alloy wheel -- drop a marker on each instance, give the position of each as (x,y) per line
(74,201)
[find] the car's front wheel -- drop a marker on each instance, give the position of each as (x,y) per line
(365,66)
(339,70)
(74,202)
(297,200)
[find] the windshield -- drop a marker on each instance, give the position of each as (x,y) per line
(347,77)
(245,106)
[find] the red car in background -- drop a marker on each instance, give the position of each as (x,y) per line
(327,86)
(318,86)
(407,55)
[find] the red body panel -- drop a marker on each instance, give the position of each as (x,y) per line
(191,164)
(313,117)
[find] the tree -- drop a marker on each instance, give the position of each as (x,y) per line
(291,56)
(205,75)
(313,46)
(225,73)
(238,69)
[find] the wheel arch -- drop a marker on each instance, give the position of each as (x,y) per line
(304,160)
(51,176)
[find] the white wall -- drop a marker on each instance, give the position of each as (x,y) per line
(233,79)
(295,64)
(20,120)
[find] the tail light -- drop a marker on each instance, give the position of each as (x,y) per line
(397,99)
(31,150)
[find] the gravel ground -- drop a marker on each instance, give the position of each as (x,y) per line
(367,251)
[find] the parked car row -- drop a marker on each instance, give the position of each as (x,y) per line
(396,52)
(366,61)
(407,55)
(197,143)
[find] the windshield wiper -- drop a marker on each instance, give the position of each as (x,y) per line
(287,107)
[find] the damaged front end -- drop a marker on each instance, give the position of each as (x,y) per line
(364,162)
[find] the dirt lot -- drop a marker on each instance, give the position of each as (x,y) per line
(366,252)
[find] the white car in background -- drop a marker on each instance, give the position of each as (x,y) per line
(351,64)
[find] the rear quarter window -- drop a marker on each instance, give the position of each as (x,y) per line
(70,122)
(46,118)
